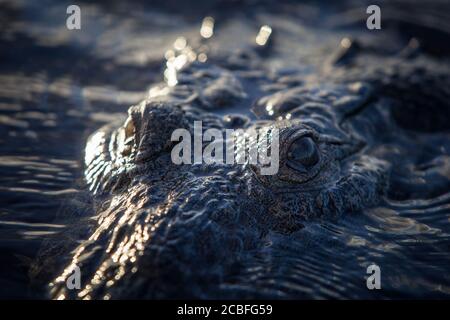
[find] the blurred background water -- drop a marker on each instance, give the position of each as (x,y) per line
(57,86)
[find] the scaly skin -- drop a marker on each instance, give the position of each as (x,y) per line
(179,231)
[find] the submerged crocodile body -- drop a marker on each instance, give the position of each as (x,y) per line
(181,231)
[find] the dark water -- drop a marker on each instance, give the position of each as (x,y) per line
(57,86)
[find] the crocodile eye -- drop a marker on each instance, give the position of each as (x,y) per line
(303,151)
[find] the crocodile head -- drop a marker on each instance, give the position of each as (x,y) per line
(179,230)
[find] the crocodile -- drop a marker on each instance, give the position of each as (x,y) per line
(348,132)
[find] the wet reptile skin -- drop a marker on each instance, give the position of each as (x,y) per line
(180,231)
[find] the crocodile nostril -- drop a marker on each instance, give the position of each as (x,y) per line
(127,133)
(129,128)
